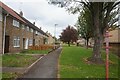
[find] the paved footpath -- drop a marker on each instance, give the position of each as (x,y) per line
(47,67)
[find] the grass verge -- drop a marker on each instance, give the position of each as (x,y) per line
(17,60)
(10,76)
(36,51)
(73,64)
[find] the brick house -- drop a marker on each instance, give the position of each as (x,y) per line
(51,40)
(115,36)
(115,41)
(16,32)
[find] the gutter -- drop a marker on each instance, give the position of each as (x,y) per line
(4,33)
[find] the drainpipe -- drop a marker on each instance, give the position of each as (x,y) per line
(4,33)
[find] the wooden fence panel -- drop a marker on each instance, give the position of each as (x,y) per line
(41,47)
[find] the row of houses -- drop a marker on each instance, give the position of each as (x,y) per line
(17,33)
(113,40)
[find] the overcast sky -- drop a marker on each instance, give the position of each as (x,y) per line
(43,14)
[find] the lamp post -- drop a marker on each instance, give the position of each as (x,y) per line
(55,35)
(55,30)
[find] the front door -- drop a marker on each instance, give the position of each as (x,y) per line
(23,43)
(33,42)
(26,43)
(6,44)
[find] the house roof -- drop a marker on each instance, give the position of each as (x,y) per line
(10,11)
(34,27)
(19,17)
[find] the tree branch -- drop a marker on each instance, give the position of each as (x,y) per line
(113,21)
(115,4)
(85,3)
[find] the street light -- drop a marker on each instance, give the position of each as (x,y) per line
(55,32)
(55,35)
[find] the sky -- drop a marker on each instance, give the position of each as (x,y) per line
(43,14)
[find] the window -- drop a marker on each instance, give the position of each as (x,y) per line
(23,26)
(30,42)
(16,23)
(16,41)
(31,30)
(27,28)
(39,33)
(0,17)
(36,32)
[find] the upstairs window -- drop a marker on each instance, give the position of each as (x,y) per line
(16,23)
(36,32)
(31,30)
(23,26)
(39,33)
(16,41)
(0,17)
(27,28)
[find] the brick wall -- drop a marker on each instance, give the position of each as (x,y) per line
(12,31)
(50,39)
(25,35)
(115,48)
(39,40)
(115,36)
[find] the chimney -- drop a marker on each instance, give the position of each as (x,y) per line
(34,23)
(21,13)
(40,28)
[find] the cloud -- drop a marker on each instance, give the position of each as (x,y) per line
(44,14)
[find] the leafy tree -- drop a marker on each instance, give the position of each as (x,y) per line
(84,25)
(69,35)
(100,12)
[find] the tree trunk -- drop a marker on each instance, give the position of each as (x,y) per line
(98,36)
(68,43)
(87,40)
(96,57)
(98,43)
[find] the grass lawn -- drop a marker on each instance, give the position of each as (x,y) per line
(21,60)
(9,76)
(36,51)
(17,60)
(0,60)
(73,65)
